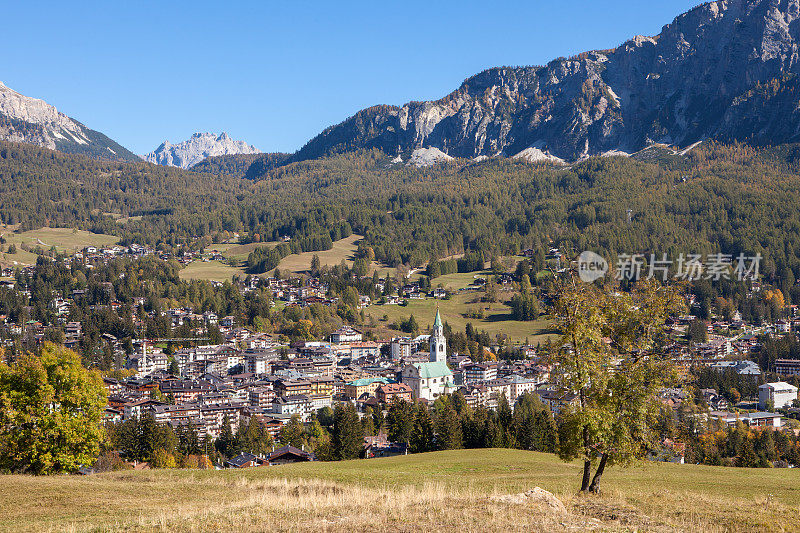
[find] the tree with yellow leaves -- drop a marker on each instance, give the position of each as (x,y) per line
(50,413)
(609,357)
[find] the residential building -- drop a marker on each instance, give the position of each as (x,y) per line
(346,334)
(780,394)
(401,391)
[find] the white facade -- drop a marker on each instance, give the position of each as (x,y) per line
(780,393)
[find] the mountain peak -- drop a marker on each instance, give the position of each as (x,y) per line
(34,121)
(703,76)
(198,147)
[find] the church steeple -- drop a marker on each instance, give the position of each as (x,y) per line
(437,342)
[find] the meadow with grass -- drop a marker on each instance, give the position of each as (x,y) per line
(497,316)
(210,270)
(65,240)
(458,490)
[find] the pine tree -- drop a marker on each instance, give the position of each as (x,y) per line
(293,433)
(448,428)
(226,443)
(368,423)
(348,439)
(422,437)
(400,420)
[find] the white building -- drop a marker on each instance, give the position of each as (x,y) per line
(346,334)
(780,393)
(402,347)
(434,378)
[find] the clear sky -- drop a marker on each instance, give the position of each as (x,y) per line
(276,73)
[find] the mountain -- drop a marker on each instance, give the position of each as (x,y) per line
(33,121)
(726,70)
(200,146)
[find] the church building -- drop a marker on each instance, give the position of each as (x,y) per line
(434,378)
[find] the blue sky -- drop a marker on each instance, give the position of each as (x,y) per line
(276,73)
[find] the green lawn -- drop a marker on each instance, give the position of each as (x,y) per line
(343,249)
(65,240)
(211,270)
(236,251)
(497,316)
(440,491)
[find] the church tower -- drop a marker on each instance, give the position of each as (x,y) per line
(437,342)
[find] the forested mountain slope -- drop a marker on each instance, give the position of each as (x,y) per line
(729,198)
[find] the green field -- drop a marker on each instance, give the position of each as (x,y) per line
(210,270)
(497,316)
(343,249)
(440,491)
(65,240)
(236,251)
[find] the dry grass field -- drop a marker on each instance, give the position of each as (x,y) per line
(343,250)
(462,490)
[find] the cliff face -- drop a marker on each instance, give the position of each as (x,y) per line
(725,69)
(33,121)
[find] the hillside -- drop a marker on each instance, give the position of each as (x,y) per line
(34,121)
(736,199)
(726,70)
(229,165)
(440,491)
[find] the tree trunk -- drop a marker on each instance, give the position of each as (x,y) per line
(587,471)
(595,486)
(587,464)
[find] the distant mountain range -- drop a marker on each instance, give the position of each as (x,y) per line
(29,120)
(198,147)
(727,70)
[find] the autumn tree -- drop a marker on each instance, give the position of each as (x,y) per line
(50,412)
(609,356)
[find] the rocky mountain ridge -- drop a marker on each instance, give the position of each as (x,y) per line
(726,69)
(198,147)
(34,121)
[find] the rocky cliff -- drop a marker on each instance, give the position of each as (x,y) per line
(33,121)
(726,69)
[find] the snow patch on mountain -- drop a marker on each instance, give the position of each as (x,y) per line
(198,147)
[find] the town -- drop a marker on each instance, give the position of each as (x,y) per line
(213,376)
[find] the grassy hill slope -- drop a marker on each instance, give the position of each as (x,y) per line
(442,491)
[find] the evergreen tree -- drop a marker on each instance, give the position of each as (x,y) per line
(422,437)
(400,420)
(368,422)
(293,433)
(348,440)
(448,428)
(226,443)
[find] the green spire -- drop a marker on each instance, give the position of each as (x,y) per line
(438,322)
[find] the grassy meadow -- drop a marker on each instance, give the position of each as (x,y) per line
(497,316)
(210,270)
(441,491)
(343,250)
(65,240)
